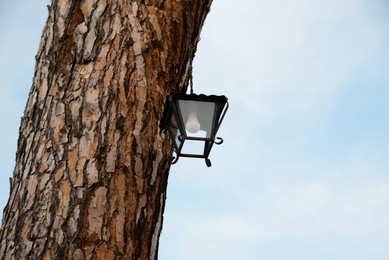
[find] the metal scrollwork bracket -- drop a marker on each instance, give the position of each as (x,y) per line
(220,141)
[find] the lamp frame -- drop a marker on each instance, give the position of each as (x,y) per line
(172,110)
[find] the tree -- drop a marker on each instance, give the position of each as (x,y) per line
(91,168)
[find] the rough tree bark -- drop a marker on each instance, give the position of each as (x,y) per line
(91,169)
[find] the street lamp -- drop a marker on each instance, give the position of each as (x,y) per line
(192,122)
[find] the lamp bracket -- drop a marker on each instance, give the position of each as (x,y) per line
(175,158)
(220,142)
(162,133)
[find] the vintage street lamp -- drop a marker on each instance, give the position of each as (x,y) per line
(192,122)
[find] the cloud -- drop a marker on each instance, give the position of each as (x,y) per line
(260,194)
(310,211)
(317,209)
(288,58)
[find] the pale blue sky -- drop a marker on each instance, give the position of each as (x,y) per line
(304,170)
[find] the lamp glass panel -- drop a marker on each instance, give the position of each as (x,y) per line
(194,147)
(197,117)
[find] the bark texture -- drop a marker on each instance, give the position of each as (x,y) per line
(91,169)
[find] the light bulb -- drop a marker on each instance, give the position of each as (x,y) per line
(192,125)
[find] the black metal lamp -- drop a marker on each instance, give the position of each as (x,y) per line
(192,122)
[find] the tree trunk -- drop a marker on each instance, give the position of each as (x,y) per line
(91,168)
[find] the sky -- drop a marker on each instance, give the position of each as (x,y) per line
(303,172)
